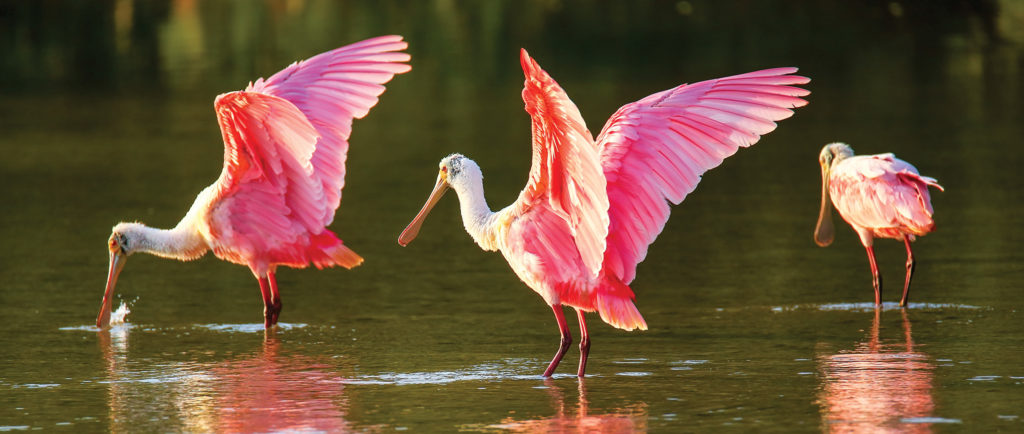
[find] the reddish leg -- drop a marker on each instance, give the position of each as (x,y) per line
(876,279)
(267,301)
(566,340)
(275,297)
(584,343)
(910,271)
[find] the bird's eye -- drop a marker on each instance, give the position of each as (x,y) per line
(444,169)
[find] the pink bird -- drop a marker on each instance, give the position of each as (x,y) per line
(880,196)
(591,208)
(285,144)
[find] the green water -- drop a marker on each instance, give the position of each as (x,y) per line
(106,115)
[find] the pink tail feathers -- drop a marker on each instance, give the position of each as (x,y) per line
(615,304)
(931,182)
(326,250)
(917,215)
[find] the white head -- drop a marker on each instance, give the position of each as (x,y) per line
(831,154)
(125,239)
(459,172)
(454,172)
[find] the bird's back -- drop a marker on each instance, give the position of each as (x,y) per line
(883,195)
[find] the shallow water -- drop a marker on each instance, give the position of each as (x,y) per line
(752,326)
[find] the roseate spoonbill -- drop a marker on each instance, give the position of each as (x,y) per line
(880,196)
(285,144)
(591,208)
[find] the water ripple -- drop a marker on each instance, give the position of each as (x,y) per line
(868,306)
(91,328)
(247,328)
(34,386)
(929,420)
(512,369)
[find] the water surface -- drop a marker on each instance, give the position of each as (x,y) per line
(106,114)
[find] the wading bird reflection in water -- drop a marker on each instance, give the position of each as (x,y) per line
(877,386)
(591,208)
(880,196)
(628,419)
(285,144)
(263,392)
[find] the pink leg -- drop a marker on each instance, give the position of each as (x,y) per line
(267,301)
(910,271)
(566,340)
(584,343)
(876,279)
(275,307)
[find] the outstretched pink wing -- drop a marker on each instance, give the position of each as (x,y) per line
(331,89)
(566,171)
(657,148)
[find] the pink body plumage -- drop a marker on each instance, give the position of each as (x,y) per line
(883,196)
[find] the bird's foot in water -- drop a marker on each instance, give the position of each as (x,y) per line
(270,314)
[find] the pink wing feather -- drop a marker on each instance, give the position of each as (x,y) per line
(331,89)
(285,144)
(657,148)
(566,170)
(266,194)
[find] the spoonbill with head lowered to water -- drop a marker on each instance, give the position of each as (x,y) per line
(285,144)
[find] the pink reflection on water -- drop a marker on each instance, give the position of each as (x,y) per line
(632,418)
(273,393)
(267,392)
(877,385)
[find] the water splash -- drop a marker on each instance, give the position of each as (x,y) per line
(118,320)
(120,316)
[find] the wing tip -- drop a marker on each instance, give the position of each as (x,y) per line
(527,62)
(238,98)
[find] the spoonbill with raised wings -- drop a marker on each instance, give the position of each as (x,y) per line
(591,208)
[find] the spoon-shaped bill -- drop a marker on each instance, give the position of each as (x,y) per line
(824,232)
(413,229)
(117,261)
